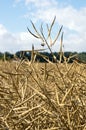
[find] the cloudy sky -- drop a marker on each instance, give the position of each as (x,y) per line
(15,16)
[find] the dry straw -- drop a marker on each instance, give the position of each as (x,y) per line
(42,96)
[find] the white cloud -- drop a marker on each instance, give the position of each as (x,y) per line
(68,16)
(72,19)
(2,30)
(42,3)
(41,10)
(15,42)
(74,43)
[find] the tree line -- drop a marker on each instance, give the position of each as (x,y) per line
(81,57)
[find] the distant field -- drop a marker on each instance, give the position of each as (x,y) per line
(42,96)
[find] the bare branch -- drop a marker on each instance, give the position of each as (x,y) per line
(32,33)
(38,34)
(57,35)
(61,52)
(49,33)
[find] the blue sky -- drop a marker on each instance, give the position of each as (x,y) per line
(15,16)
